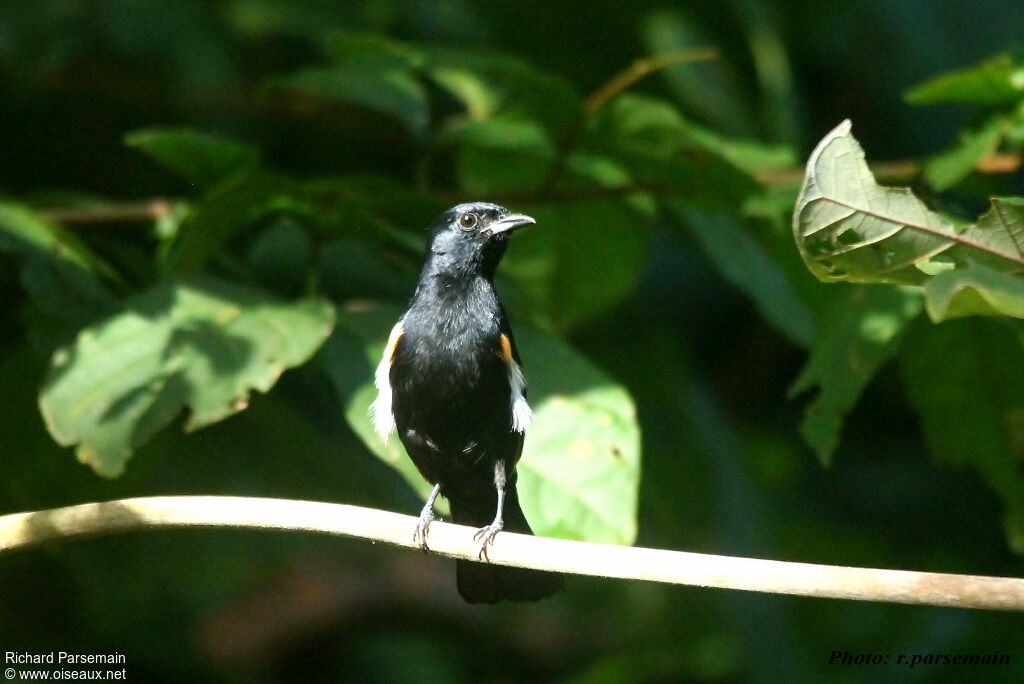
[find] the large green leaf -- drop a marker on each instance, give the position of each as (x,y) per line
(847,227)
(580,469)
(996,81)
(203,345)
(963,380)
(862,333)
(199,158)
(974,291)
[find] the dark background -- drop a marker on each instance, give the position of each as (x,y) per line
(724,467)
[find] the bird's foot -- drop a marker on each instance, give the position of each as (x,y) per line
(419,535)
(486,535)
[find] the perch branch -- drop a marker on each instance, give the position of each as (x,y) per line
(20,530)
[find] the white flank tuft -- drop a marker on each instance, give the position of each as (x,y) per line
(522,415)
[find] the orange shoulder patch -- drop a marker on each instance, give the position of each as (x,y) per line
(506,349)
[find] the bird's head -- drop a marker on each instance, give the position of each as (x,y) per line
(470,238)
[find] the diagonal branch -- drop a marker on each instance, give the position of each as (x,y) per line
(20,530)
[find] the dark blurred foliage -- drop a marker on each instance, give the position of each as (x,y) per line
(708,362)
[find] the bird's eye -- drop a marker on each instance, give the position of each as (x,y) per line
(467,221)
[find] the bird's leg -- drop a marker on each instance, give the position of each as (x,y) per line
(426,517)
(486,535)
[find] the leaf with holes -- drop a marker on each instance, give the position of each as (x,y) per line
(201,344)
(580,470)
(849,228)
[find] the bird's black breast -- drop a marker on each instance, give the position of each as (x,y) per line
(451,393)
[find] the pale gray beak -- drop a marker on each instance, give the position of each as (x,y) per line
(510,223)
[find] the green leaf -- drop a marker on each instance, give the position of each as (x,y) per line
(480,98)
(203,345)
(862,333)
(996,81)
(950,167)
(199,158)
(503,154)
(847,227)
(745,263)
(61,274)
(374,50)
(640,123)
(579,474)
(506,86)
(670,156)
(237,204)
(963,380)
(393,91)
(974,291)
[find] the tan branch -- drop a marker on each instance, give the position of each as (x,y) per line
(114,212)
(602,560)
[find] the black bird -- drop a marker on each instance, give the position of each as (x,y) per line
(452,383)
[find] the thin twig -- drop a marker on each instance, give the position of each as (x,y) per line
(20,530)
(639,69)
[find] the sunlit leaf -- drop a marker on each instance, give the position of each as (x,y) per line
(203,345)
(974,291)
(848,227)
(579,473)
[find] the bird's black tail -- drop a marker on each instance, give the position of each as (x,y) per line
(485,583)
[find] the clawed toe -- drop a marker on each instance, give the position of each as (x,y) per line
(419,535)
(486,535)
